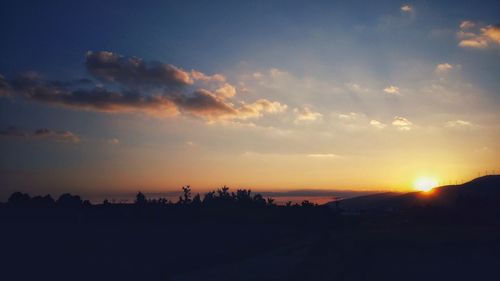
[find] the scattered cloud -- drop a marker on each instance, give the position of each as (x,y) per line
(402,123)
(391,90)
(259,107)
(356,88)
(443,68)
(467,24)
(377,124)
(349,116)
(41,134)
(323,155)
(458,124)
(276,73)
(113,141)
(305,114)
(407,8)
(485,37)
(257,75)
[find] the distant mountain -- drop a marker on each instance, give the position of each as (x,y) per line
(483,193)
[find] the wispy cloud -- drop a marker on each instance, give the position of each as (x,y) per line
(467,24)
(305,115)
(458,124)
(391,90)
(41,134)
(443,68)
(322,155)
(113,141)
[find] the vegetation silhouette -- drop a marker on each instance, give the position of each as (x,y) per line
(452,233)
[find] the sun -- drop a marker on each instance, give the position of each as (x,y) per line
(425,184)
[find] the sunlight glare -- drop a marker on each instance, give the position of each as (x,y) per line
(425,184)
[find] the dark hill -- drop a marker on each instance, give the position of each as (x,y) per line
(480,193)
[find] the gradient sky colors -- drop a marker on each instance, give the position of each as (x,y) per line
(102,98)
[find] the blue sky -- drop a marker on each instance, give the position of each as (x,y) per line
(317,91)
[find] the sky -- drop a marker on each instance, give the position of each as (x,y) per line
(107,98)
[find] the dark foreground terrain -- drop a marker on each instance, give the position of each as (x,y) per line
(253,241)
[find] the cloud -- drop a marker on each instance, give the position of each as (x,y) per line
(402,123)
(377,124)
(97,98)
(4,87)
(133,71)
(306,115)
(159,90)
(392,90)
(322,155)
(200,76)
(458,124)
(257,75)
(467,24)
(41,134)
(486,37)
(407,8)
(226,91)
(113,141)
(356,88)
(276,73)
(259,107)
(348,117)
(443,68)
(204,103)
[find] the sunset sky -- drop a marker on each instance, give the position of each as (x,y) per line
(106,98)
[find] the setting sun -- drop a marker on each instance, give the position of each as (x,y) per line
(425,184)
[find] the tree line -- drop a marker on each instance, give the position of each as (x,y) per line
(219,198)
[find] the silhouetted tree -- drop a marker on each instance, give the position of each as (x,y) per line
(18,198)
(209,198)
(140,199)
(259,200)
(196,200)
(45,201)
(69,201)
(86,203)
(186,196)
(270,202)
(307,204)
(244,197)
(162,201)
